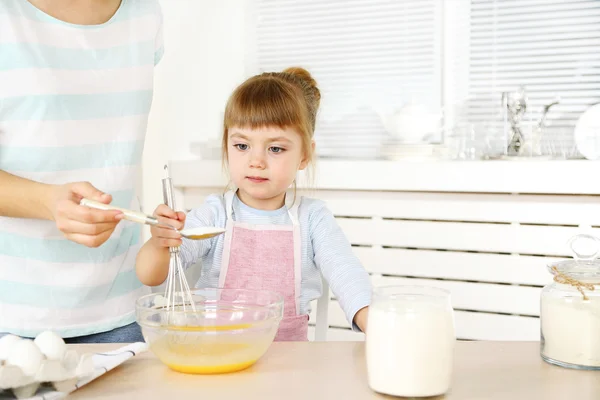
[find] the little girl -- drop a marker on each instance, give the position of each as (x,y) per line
(273,241)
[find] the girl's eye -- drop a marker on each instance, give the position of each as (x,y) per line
(241,146)
(276,149)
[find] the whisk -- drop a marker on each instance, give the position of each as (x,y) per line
(178,296)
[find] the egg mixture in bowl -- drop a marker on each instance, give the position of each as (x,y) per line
(229,330)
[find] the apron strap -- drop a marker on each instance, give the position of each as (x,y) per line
(229,203)
(293,213)
(293,209)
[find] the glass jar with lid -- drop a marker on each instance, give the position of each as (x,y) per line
(570,308)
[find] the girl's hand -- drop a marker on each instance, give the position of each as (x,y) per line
(165,237)
(361,317)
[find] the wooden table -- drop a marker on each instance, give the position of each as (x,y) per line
(337,370)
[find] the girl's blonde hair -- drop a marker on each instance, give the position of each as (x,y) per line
(288,99)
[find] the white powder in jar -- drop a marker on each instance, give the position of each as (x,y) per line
(410,347)
(571,329)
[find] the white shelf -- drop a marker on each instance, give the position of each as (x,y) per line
(556,177)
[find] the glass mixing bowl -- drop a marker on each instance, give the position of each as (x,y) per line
(229,330)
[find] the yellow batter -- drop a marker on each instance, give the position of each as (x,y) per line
(208,328)
(184,354)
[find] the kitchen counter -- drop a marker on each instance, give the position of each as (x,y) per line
(523,176)
(337,370)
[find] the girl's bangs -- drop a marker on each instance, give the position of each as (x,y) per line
(264,103)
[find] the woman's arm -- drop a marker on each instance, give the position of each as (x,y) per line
(23,198)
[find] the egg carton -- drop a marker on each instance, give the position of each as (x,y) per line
(59,374)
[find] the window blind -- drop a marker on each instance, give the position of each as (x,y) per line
(375,56)
(369,57)
(551,48)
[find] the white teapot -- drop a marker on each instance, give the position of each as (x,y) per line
(412,123)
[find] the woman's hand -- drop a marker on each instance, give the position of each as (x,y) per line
(81,224)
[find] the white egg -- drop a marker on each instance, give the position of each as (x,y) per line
(51,345)
(7,343)
(27,356)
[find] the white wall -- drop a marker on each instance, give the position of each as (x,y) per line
(203,62)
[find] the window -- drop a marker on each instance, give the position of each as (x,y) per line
(551,48)
(372,57)
(368,57)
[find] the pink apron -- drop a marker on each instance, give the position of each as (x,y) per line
(266,257)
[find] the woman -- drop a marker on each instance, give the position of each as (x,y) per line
(77,80)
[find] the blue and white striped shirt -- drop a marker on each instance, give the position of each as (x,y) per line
(74,105)
(325,250)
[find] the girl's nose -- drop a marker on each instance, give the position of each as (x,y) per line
(257,160)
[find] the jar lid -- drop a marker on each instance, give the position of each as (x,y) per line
(585,265)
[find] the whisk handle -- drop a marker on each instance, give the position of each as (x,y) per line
(169,198)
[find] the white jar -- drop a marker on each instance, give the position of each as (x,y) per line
(570,310)
(410,341)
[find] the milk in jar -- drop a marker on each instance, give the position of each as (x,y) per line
(410,341)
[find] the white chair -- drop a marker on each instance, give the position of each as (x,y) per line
(322,324)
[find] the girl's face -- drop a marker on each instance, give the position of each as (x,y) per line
(263,163)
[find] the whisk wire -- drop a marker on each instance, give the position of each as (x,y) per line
(177,285)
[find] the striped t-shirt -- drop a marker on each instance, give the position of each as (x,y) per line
(74,104)
(325,250)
